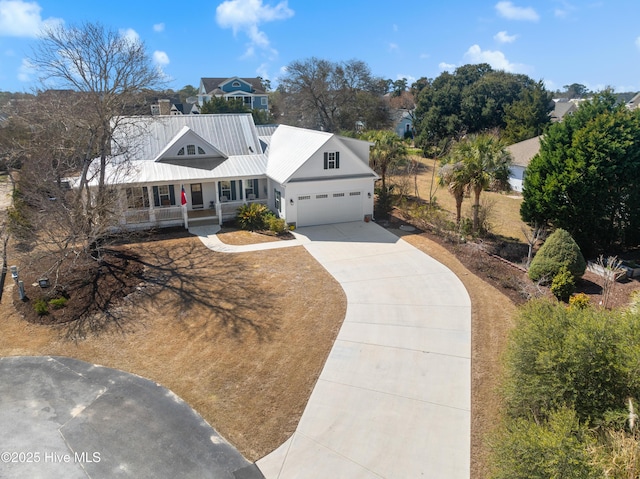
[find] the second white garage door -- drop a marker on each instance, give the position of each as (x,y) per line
(326,208)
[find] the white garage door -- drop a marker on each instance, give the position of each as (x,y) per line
(325,208)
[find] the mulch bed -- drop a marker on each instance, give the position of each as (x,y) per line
(90,287)
(499,263)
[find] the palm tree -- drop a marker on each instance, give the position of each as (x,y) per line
(453,176)
(485,162)
(388,149)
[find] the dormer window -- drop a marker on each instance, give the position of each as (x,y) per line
(332,160)
(236,84)
(191,150)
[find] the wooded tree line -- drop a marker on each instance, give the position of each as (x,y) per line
(584,179)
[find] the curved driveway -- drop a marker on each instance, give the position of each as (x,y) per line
(393,399)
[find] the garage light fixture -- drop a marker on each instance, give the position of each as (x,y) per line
(369,194)
(291,201)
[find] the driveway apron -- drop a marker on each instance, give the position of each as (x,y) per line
(393,399)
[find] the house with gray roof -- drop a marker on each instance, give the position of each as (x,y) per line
(250,90)
(521,155)
(177,170)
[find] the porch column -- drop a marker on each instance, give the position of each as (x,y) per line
(152,211)
(218,203)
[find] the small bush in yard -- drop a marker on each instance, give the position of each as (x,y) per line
(563,284)
(58,303)
(558,250)
(252,216)
(41,307)
(580,301)
(276,225)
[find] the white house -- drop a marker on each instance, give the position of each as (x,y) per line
(521,154)
(223,161)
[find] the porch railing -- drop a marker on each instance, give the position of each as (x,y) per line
(159,214)
(171,213)
(137,216)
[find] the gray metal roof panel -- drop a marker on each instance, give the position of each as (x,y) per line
(233,134)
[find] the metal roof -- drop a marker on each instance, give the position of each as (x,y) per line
(290,148)
(232,133)
(154,172)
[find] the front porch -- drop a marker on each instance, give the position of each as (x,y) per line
(168,216)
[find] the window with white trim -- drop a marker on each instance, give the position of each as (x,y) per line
(278,200)
(137,197)
(251,188)
(191,150)
(331,160)
(225,191)
(164,195)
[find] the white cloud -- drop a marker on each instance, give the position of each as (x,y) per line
(26,71)
(395,27)
(446,66)
(158,27)
(246,15)
(160,58)
(638,43)
(262,71)
(410,79)
(504,37)
(22,19)
(130,34)
(496,59)
(393,46)
(424,56)
(565,10)
(509,11)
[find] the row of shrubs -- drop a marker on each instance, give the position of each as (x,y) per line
(42,305)
(257,217)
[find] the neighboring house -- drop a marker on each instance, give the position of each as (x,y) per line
(250,90)
(403,122)
(634,102)
(521,155)
(307,177)
(563,107)
(170,107)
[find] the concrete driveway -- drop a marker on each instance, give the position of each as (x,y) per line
(393,400)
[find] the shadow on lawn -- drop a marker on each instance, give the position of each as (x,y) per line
(210,294)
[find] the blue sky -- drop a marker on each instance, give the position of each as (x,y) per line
(595,43)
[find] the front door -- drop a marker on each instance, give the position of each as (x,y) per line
(196,195)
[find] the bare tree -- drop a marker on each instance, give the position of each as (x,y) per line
(110,69)
(612,270)
(533,235)
(91,80)
(317,93)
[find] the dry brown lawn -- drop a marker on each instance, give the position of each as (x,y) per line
(241,337)
(504,209)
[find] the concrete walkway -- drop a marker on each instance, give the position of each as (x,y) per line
(393,399)
(64,418)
